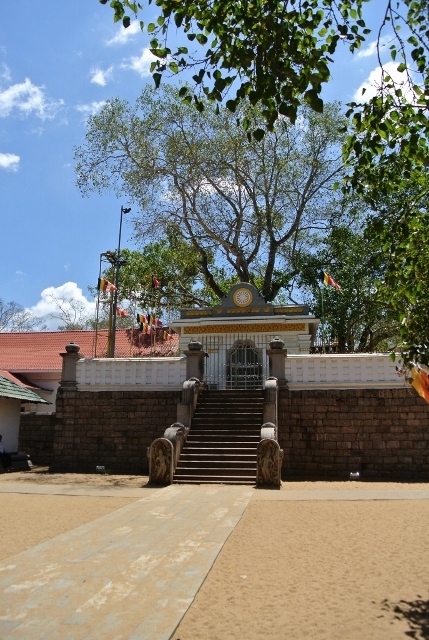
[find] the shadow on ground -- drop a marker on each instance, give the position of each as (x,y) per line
(415,613)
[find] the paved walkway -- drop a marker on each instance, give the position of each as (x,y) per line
(132,574)
(129,575)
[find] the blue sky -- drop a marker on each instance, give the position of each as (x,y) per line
(59,62)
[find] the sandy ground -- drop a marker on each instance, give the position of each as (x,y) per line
(315,569)
(27,520)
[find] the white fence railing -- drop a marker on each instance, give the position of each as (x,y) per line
(100,374)
(348,371)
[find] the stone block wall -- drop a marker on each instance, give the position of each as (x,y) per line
(36,437)
(382,433)
(378,432)
(110,428)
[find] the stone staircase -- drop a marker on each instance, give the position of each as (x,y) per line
(221,446)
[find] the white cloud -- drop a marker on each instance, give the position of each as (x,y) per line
(140,64)
(90,109)
(371,48)
(123,35)
(98,76)
(9,161)
(5,73)
(68,294)
(26,98)
(372,83)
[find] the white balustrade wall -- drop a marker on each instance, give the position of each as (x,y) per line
(348,371)
(121,374)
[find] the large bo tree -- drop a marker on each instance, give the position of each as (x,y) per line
(278,54)
(245,206)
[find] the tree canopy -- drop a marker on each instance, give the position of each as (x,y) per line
(243,205)
(401,229)
(279,54)
(358,317)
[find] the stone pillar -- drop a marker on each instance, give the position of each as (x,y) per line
(70,358)
(276,358)
(195,360)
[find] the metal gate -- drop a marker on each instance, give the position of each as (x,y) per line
(236,361)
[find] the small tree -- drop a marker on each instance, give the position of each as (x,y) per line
(14,318)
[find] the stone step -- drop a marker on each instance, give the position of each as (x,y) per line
(216,472)
(219,450)
(246,404)
(221,447)
(213,480)
(210,461)
(210,430)
(212,443)
(226,419)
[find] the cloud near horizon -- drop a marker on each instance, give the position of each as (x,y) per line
(46,307)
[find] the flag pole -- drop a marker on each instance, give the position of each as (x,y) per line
(109,340)
(323,321)
(97,309)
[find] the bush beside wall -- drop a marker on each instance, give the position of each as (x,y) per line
(378,432)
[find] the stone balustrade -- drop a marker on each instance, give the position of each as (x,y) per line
(123,374)
(341,371)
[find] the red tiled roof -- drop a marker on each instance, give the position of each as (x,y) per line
(40,350)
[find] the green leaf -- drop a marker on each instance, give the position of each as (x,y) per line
(258,134)
(157,79)
(231,105)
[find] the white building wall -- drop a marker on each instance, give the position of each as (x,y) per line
(10,413)
(48,381)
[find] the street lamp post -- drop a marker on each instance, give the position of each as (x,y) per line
(118,264)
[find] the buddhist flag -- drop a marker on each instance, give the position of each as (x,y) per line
(155,283)
(105,285)
(122,313)
(327,279)
(420,382)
